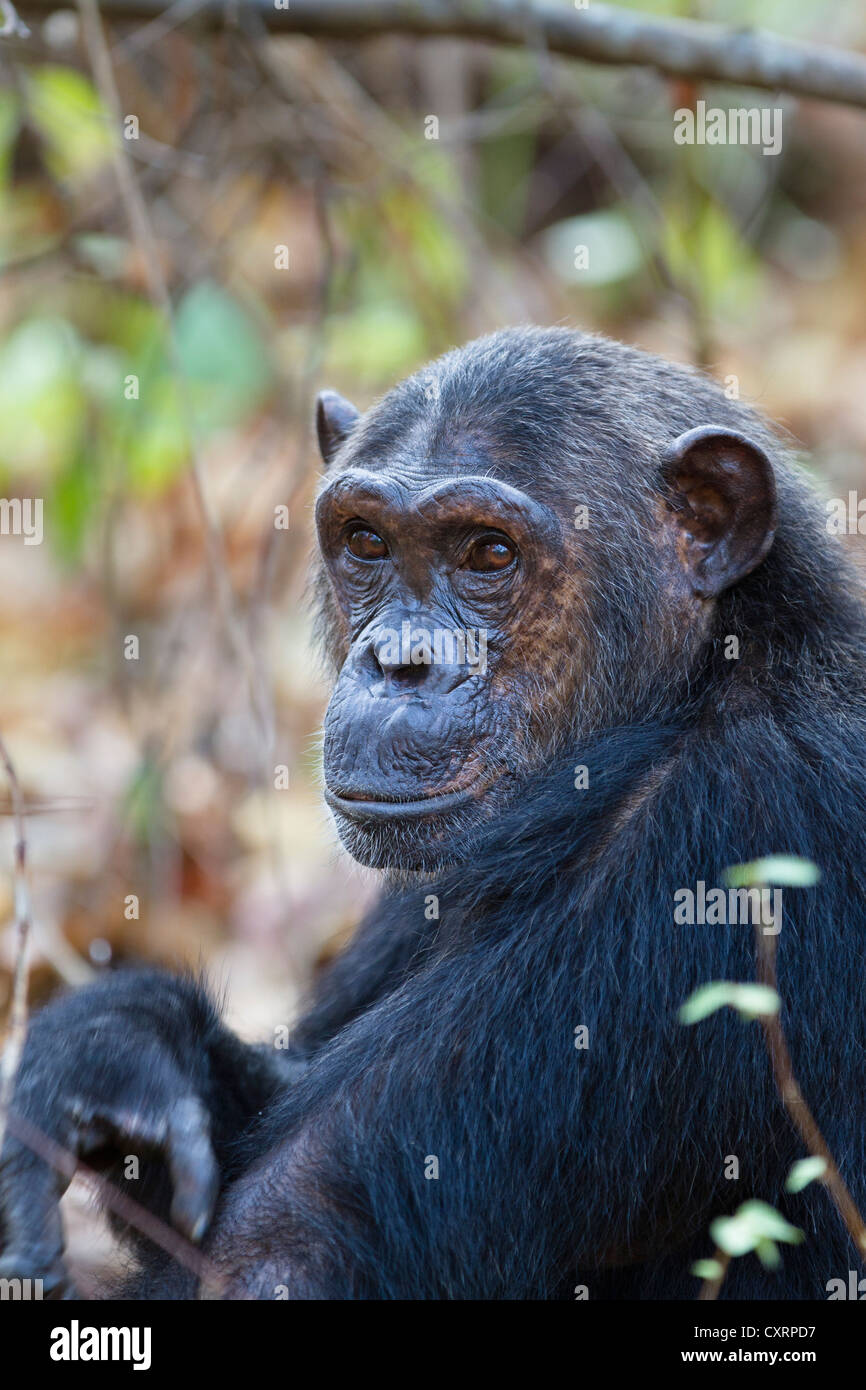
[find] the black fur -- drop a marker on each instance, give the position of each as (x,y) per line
(455,1038)
(550,1156)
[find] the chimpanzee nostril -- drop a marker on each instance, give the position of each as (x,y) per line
(401,664)
(406,677)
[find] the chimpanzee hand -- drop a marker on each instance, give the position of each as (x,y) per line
(137,1065)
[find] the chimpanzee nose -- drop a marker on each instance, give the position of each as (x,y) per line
(412,656)
(404,656)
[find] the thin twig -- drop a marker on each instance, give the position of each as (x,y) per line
(801,1116)
(794,1101)
(711,1288)
(14,1047)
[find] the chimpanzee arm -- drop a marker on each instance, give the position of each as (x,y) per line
(139,1064)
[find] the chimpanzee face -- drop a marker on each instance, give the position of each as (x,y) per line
(442,583)
(475,629)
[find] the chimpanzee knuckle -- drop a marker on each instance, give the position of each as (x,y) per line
(83,1131)
(95,1123)
(124,1103)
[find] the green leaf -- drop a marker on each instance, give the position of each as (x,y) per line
(375,342)
(143,804)
(75,498)
(10,122)
(705,1001)
(707,1269)
(751,1227)
(613,251)
(755,1001)
(42,405)
(705,248)
(780,870)
(74,125)
(223,357)
(750,1001)
(156,441)
(804,1171)
(767,1252)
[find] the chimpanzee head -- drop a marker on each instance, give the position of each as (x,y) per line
(523,543)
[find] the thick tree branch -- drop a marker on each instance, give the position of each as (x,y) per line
(600,34)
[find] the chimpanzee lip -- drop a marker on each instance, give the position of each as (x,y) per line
(390,808)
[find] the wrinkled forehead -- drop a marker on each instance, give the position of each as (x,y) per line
(417,452)
(420,455)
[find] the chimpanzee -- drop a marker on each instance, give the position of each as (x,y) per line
(592,646)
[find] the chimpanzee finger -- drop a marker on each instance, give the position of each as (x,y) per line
(193,1167)
(179,1131)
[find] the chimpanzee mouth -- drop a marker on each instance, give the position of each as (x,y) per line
(367,808)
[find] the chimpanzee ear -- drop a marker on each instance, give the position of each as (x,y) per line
(721,500)
(335,417)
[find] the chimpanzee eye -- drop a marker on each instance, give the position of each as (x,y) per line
(491,553)
(365,544)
